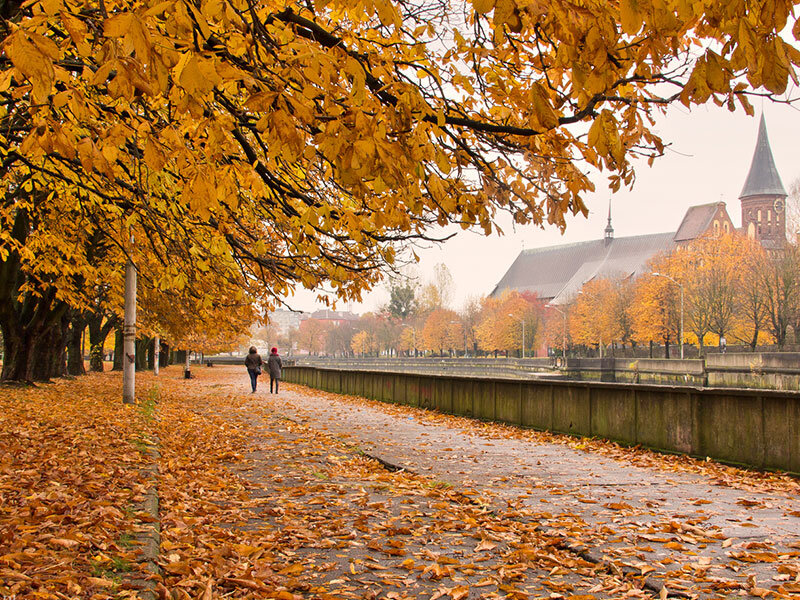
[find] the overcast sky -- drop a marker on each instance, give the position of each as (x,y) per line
(708,161)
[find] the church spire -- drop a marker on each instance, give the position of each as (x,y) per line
(609,231)
(763,178)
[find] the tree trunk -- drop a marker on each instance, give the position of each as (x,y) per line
(98,332)
(34,353)
(77,325)
(31,321)
(143,344)
(754,340)
(119,349)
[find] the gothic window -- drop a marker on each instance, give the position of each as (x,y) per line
(751,230)
(759,216)
(727,227)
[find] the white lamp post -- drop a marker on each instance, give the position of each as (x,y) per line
(681,287)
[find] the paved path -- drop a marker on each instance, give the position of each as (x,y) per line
(688,532)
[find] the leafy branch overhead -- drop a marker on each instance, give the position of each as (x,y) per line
(296,143)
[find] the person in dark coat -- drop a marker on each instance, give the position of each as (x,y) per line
(253,363)
(274,365)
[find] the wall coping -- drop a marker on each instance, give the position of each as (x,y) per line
(678,389)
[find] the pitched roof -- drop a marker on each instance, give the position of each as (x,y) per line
(696,221)
(558,272)
(763,178)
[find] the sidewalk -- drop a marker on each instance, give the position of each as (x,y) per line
(688,531)
(476,510)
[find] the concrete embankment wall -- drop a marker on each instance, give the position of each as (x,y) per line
(759,428)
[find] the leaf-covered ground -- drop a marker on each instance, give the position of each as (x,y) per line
(276,496)
(70,487)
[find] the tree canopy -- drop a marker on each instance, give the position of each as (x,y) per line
(279,144)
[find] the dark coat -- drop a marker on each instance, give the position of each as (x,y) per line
(253,361)
(274,365)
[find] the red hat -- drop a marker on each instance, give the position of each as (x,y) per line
(274,350)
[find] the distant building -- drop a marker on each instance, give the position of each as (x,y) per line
(285,320)
(556,273)
(335,317)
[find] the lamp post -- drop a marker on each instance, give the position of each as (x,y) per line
(563,314)
(681,287)
(523,332)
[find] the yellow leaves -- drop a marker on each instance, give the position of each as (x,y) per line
(483,7)
(32,55)
(197,75)
(154,157)
(506,13)
(605,139)
(543,117)
(630,18)
(77,32)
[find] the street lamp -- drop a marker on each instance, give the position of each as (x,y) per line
(523,332)
(680,286)
(563,314)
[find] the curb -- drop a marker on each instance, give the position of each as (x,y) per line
(147,531)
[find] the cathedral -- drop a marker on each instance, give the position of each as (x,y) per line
(556,273)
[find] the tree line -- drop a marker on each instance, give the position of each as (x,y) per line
(732,288)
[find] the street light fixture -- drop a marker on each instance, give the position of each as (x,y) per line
(680,286)
(563,314)
(523,332)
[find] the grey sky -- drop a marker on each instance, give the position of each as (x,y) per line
(708,161)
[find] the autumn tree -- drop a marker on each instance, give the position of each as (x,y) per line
(501,323)
(363,343)
(339,339)
(470,316)
(656,312)
(442,331)
(311,335)
(593,319)
(312,142)
(778,277)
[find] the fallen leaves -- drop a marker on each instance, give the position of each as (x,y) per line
(69,480)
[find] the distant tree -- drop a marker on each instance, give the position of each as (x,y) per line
(443,281)
(339,339)
(779,280)
(362,343)
(438,292)
(500,326)
(402,300)
(656,311)
(470,317)
(442,331)
(593,320)
(311,335)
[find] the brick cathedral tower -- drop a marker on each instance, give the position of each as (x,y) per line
(763,197)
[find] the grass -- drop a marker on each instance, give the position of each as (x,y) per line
(148,406)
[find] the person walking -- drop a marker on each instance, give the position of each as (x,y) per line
(253,363)
(274,365)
